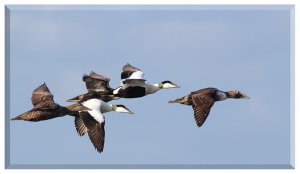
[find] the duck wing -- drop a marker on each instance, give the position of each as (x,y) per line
(42,96)
(201,104)
(131,72)
(80,127)
(95,129)
(96,82)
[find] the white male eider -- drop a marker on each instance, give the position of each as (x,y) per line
(133,85)
(203,99)
(93,120)
(44,107)
(97,86)
(105,107)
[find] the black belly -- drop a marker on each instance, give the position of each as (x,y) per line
(132,92)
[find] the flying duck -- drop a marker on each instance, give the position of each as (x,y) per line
(97,86)
(105,107)
(133,85)
(45,108)
(92,121)
(203,99)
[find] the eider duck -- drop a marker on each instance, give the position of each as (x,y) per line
(97,86)
(105,107)
(133,85)
(92,120)
(45,108)
(203,99)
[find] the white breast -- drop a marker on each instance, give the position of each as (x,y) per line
(94,105)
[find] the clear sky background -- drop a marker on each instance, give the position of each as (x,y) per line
(231,48)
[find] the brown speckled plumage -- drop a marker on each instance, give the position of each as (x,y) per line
(203,100)
(45,108)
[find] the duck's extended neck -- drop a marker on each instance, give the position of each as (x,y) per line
(105,107)
(152,88)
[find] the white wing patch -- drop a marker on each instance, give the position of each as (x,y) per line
(136,75)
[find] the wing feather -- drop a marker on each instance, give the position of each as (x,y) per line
(95,130)
(201,104)
(41,94)
(80,127)
(96,82)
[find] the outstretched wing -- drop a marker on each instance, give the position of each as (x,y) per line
(96,82)
(131,72)
(201,104)
(80,127)
(95,130)
(42,95)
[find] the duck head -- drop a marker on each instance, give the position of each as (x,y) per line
(121,109)
(167,84)
(236,95)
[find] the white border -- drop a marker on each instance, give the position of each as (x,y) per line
(210,2)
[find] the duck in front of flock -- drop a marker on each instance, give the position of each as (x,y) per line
(203,100)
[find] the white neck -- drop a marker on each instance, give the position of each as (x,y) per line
(152,88)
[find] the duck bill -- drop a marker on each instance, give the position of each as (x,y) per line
(245,96)
(73,100)
(176,86)
(129,112)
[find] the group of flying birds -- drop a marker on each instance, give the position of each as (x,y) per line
(89,107)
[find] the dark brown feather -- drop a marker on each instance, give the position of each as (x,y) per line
(80,127)
(129,68)
(96,82)
(40,114)
(41,94)
(201,104)
(104,96)
(95,130)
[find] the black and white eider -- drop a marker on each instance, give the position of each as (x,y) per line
(105,107)
(45,108)
(203,99)
(92,121)
(97,86)
(133,85)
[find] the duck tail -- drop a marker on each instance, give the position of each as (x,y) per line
(17,118)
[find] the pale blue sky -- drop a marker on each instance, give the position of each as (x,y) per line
(227,47)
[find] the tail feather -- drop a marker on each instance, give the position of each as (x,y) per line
(17,118)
